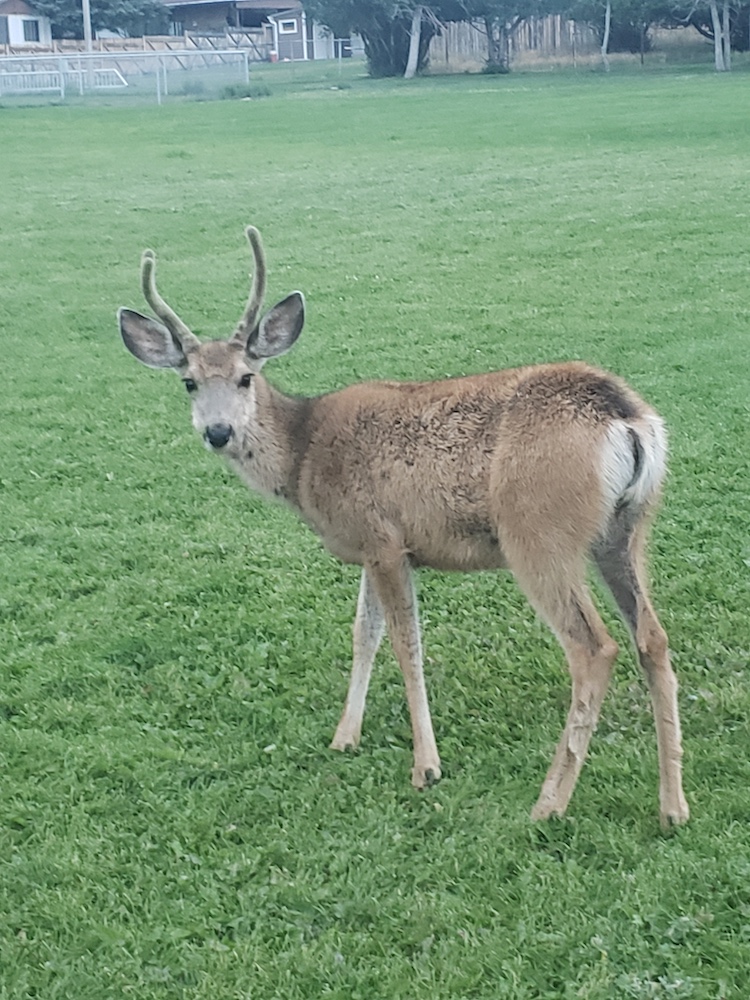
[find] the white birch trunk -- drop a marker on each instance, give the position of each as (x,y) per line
(719,63)
(414,37)
(605,39)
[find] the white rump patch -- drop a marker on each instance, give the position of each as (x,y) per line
(619,480)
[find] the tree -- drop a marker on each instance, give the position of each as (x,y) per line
(500,20)
(132,17)
(499,28)
(720,27)
(607,34)
(386,28)
(415,38)
(629,22)
(699,17)
(383,25)
(726,26)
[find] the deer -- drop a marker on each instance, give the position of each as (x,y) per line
(541,470)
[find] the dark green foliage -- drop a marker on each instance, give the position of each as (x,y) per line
(633,21)
(699,16)
(193,88)
(495,69)
(387,44)
(244,91)
(383,26)
(629,36)
(630,24)
(133,17)
(501,18)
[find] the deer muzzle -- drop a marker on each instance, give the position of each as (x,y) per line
(217,435)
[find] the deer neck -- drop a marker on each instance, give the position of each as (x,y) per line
(274,444)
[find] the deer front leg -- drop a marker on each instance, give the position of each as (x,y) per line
(368,631)
(392,579)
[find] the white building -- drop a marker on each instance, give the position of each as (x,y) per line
(21,25)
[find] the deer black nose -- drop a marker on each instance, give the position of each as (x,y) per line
(217,435)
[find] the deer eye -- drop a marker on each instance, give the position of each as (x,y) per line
(190,384)
(246,380)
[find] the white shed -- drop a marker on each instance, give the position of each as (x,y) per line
(21,25)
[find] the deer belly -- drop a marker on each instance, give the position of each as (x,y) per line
(463,546)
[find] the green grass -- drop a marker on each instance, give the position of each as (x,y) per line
(175,653)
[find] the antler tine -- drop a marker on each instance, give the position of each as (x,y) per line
(258,288)
(168,316)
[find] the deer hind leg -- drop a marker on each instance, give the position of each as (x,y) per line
(369,625)
(620,559)
(591,653)
(392,579)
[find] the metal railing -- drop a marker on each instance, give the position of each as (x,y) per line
(32,82)
(89,71)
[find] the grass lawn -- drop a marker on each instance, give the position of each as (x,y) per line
(175,653)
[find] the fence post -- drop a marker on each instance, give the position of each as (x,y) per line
(158,80)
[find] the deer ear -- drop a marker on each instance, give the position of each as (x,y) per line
(279,328)
(149,340)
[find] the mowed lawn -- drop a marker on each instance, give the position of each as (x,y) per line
(175,653)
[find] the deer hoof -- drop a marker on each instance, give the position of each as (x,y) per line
(425,777)
(676,816)
(546,809)
(344,743)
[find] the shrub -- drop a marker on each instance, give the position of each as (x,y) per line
(244,91)
(494,68)
(192,88)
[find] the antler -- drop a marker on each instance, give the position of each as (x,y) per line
(257,290)
(184,337)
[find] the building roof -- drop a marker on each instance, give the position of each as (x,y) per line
(194,3)
(17,7)
(283,6)
(271,5)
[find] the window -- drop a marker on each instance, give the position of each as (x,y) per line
(288,27)
(31,31)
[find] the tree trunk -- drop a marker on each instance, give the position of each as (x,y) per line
(726,40)
(607,27)
(414,37)
(498,43)
(387,44)
(493,48)
(506,46)
(719,63)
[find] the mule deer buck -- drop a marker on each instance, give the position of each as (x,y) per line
(534,469)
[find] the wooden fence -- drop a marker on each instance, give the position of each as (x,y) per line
(257,42)
(463,44)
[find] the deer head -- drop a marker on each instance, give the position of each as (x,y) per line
(218,374)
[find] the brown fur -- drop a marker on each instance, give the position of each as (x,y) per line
(535,469)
